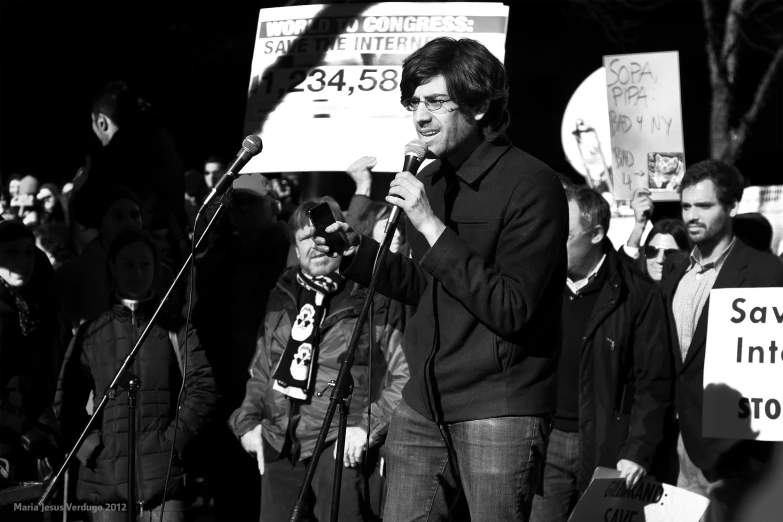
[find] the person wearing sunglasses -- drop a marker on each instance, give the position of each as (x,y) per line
(667,238)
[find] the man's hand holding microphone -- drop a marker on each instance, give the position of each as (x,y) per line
(406,193)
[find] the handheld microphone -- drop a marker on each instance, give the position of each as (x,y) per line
(415,151)
(250,147)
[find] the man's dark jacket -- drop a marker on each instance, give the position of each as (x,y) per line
(145,160)
(485,338)
(744,268)
(625,373)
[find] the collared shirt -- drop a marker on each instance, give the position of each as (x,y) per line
(576,286)
(692,294)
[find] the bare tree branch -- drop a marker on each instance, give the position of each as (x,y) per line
(753,45)
(755,20)
(713,44)
(730,36)
(761,96)
(751,6)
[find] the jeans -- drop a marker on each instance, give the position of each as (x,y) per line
(496,462)
(281,483)
(559,490)
(175,511)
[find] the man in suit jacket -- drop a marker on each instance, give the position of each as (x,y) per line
(721,469)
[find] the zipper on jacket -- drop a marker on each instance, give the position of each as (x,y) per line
(137,371)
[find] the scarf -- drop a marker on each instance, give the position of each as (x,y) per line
(293,374)
(28,313)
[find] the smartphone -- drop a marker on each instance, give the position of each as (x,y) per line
(321,217)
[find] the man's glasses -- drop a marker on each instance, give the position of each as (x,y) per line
(432,105)
(651,252)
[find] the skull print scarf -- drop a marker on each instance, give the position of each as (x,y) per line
(294,370)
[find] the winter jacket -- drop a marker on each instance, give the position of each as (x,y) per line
(488,291)
(143,158)
(28,371)
(625,373)
(95,354)
(272,409)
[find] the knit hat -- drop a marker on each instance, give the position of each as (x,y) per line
(254,184)
(13,230)
(95,202)
(28,185)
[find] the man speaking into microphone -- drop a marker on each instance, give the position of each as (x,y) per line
(488,225)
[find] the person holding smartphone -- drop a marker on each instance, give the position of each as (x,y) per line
(488,225)
(309,321)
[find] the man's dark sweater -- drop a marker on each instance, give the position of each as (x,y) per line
(577,309)
(485,338)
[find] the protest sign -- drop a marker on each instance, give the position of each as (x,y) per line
(645,124)
(742,367)
(608,499)
(324,87)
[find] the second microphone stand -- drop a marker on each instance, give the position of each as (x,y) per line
(342,388)
(123,378)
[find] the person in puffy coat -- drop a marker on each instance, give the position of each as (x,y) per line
(96,352)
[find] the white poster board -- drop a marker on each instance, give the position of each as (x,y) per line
(608,499)
(743,368)
(324,82)
(645,124)
(584,132)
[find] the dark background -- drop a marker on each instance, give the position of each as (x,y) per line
(191,61)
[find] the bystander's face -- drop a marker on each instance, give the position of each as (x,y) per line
(122,216)
(213,171)
(453,131)
(48,200)
(707,220)
(134,270)
(581,241)
(13,187)
(17,262)
(313,262)
(662,245)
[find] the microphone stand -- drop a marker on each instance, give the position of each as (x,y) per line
(342,388)
(124,377)
(133,391)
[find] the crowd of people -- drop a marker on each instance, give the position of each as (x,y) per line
(510,349)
